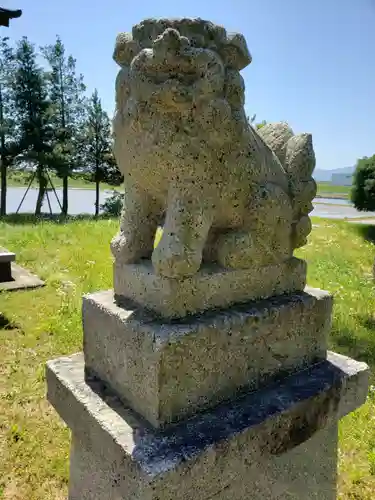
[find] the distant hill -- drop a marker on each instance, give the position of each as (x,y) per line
(321,175)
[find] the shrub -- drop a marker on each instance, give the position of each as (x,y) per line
(113,204)
(363,190)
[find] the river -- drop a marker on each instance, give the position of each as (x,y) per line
(82,201)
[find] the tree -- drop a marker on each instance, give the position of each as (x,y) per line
(363,190)
(261,124)
(32,112)
(256,125)
(98,155)
(67,111)
(8,148)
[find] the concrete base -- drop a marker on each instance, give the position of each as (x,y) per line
(6,258)
(14,277)
(5,272)
(277,443)
(169,371)
(210,288)
(21,279)
(308,472)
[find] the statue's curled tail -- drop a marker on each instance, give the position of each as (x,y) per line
(296,154)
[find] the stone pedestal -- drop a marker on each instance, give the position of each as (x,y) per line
(14,277)
(211,287)
(168,371)
(278,442)
(6,259)
(235,404)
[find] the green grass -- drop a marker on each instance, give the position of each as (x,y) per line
(22,179)
(37,325)
(328,190)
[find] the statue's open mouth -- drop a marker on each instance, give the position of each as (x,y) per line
(159,71)
(173,79)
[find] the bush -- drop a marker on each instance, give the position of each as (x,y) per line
(113,204)
(363,190)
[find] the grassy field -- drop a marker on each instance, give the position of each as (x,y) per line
(327,190)
(20,179)
(74,258)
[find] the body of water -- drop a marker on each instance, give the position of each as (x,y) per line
(82,201)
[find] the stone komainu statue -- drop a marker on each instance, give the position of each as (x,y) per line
(227,193)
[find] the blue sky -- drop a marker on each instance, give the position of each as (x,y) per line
(313,61)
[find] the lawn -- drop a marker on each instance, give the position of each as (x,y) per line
(328,190)
(74,258)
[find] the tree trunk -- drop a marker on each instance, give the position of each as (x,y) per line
(42,180)
(65,196)
(3,196)
(97,198)
(3,164)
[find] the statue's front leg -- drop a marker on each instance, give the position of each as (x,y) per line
(188,220)
(139,221)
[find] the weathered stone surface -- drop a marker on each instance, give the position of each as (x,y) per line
(306,473)
(205,373)
(211,287)
(167,371)
(288,431)
(191,161)
(297,155)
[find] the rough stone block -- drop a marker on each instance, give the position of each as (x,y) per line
(169,371)
(14,277)
(6,259)
(21,279)
(210,288)
(6,256)
(288,431)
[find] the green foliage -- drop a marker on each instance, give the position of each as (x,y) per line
(47,122)
(98,155)
(66,111)
(259,125)
(32,114)
(7,123)
(113,204)
(363,191)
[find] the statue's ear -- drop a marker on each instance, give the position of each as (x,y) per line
(235,52)
(125,49)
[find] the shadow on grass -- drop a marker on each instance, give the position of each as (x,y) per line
(360,348)
(29,219)
(366,231)
(6,324)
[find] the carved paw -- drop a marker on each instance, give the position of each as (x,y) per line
(235,250)
(175,262)
(127,250)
